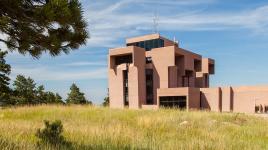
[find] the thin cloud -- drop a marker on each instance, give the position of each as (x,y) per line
(48,74)
(86,63)
(114,22)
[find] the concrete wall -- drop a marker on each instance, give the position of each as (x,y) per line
(136,77)
(194,98)
(245,98)
(211,99)
(162,58)
(227,99)
(192,95)
(115,80)
(234,99)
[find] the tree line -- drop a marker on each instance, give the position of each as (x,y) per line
(26,92)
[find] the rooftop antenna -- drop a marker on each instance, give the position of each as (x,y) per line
(175,41)
(155,20)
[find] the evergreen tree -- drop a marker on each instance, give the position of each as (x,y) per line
(75,96)
(36,26)
(106,101)
(24,89)
(47,97)
(4,80)
(41,94)
(58,99)
(50,97)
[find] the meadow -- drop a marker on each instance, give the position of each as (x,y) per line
(89,127)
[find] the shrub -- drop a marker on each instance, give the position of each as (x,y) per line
(52,133)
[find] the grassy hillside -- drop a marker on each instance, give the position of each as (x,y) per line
(88,127)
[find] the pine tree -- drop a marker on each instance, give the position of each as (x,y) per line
(43,97)
(4,80)
(50,97)
(37,26)
(24,89)
(75,96)
(41,94)
(106,101)
(58,99)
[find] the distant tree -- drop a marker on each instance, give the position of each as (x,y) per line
(44,97)
(4,79)
(76,97)
(52,98)
(106,101)
(41,94)
(36,26)
(25,92)
(58,99)
(24,89)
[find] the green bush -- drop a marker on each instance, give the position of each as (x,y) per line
(52,133)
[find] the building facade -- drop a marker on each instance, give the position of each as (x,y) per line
(152,72)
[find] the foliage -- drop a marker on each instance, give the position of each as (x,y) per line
(52,98)
(41,94)
(26,92)
(58,99)
(24,89)
(52,133)
(4,79)
(75,96)
(106,101)
(36,26)
(88,127)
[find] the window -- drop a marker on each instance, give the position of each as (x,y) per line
(173,101)
(149,44)
(186,78)
(125,85)
(123,59)
(197,65)
(141,44)
(156,43)
(211,68)
(149,86)
(148,60)
(161,43)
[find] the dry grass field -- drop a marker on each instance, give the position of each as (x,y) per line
(87,127)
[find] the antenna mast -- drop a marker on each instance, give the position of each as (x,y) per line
(156,18)
(155,21)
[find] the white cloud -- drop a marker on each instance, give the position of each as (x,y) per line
(116,21)
(49,74)
(86,63)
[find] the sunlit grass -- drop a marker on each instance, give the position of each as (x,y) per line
(87,127)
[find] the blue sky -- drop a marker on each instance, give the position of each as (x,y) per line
(233,32)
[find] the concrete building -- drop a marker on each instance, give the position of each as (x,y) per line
(152,72)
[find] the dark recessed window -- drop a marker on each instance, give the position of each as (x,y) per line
(123,59)
(149,86)
(148,60)
(173,101)
(149,44)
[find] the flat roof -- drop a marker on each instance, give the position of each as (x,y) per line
(143,38)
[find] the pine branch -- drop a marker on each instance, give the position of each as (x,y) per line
(8,43)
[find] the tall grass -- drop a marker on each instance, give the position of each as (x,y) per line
(87,127)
